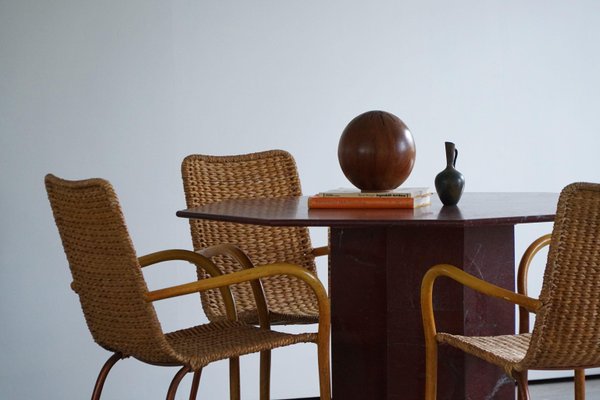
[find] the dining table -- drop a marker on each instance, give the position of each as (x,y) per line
(377,259)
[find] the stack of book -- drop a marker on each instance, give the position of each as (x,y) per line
(354,198)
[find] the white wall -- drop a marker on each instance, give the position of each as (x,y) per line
(125,89)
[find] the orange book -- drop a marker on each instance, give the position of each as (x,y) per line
(368,202)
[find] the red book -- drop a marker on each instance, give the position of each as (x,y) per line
(368,202)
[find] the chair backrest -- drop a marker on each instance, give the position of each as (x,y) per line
(106,274)
(269,174)
(567,328)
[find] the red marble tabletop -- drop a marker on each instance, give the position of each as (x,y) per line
(474,209)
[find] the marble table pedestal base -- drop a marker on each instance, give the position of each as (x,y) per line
(378,347)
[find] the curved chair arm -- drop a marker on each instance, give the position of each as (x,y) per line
(230,250)
(242,259)
(320,251)
(249,275)
(522,274)
(200,262)
(261,272)
(467,280)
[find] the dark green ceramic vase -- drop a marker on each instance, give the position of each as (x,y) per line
(450,183)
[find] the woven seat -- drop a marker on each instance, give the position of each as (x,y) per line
(118,308)
(495,349)
(203,344)
(566,334)
(208,179)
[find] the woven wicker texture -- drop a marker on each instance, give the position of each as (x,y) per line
(503,350)
(567,328)
(566,334)
(269,174)
(224,339)
(111,288)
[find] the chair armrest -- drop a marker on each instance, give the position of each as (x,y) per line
(522,274)
(230,250)
(467,280)
(320,251)
(199,261)
(245,275)
(530,252)
(242,259)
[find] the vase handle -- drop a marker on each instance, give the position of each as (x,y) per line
(455,157)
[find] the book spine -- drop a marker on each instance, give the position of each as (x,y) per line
(362,202)
(370,194)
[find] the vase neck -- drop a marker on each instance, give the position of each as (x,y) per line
(451,154)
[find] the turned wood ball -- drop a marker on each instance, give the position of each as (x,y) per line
(376,151)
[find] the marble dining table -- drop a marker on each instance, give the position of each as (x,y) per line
(376,262)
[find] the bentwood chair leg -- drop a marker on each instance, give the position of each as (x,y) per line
(234,378)
(431,360)
(176,381)
(522,385)
(524,379)
(195,384)
(103,374)
(579,384)
(324,368)
(265,375)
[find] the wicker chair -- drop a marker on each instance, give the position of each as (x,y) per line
(118,308)
(208,179)
(566,334)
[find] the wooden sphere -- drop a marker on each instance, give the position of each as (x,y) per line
(376,151)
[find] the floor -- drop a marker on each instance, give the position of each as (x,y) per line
(563,390)
(554,390)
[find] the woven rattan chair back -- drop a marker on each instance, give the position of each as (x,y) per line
(567,328)
(105,270)
(270,174)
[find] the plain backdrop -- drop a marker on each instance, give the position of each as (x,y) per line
(125,89)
